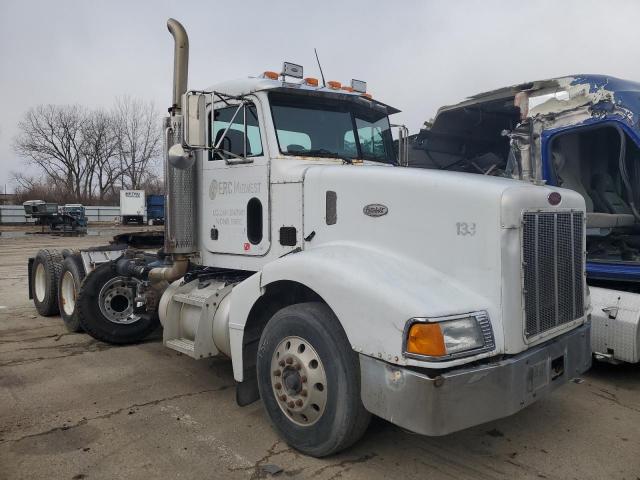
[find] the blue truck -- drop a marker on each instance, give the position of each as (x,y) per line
(580,132)
(155,209)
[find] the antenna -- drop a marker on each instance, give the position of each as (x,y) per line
(320,67)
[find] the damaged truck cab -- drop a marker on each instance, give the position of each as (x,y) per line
(581,133)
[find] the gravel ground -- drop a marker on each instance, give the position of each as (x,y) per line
(72,407)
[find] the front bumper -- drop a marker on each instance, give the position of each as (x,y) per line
(465,397)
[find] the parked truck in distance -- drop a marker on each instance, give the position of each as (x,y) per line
(581,133)
(132,206)
(68,218)
(339,284)
(155,209)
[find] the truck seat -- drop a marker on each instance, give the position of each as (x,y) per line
(608,202)
(569,177)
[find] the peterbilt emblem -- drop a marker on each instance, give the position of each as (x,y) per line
(554,198)
(213,189)
(375,210)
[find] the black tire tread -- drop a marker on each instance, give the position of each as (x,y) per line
(52,261)
(72,262)
(359,417)
(90,321)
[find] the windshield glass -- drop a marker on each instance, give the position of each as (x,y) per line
(323,127)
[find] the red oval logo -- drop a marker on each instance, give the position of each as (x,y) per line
(554,198)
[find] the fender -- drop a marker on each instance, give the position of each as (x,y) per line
(372,292)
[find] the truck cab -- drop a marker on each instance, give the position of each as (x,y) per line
(269,133)
(579,132)
(300,188)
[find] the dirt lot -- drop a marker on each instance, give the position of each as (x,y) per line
(73,408)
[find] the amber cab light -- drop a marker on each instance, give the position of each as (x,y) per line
(271,75)
(426,339)
(311,81)
(333,84)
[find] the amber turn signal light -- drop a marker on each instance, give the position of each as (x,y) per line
(426,339)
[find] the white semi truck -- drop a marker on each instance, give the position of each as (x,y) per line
(133,206)
(339,284)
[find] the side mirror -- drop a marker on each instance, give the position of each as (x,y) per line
(194,110)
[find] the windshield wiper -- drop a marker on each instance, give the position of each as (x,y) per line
(322,152)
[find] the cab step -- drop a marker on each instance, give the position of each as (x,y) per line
(182,345)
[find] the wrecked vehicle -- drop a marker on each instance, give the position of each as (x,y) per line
(579,132)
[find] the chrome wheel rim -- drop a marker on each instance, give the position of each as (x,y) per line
(68,293)
(40,283)
(299,381)
(117,300)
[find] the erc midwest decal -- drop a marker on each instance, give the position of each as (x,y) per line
(232,210)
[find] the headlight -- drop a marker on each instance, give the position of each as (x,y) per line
(449,337)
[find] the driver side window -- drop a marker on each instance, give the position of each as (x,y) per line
(228,133)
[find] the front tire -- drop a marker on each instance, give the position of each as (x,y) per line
(309,380)
(71,275)
(45,275)
(107,310)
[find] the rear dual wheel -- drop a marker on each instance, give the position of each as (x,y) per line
(71,275)
(45,275)
(309,380)
(107,307)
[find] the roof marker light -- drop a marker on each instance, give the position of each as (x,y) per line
(313,82)
(367,95)
(271,75)
(347,89)
(333,84)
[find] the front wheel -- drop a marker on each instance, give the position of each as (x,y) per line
(309,380)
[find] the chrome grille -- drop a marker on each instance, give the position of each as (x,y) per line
(553,266)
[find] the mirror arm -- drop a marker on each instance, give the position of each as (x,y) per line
(217,145)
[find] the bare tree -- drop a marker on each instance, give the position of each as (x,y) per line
(51,138)
(84,155)
(101,152)
(137,125)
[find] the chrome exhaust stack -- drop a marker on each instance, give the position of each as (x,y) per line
(180,183)
(180,62)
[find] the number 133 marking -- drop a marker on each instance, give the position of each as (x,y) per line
(464,228)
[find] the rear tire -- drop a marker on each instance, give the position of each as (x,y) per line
(106,308)
(45,274)
(309,380)
(71,275)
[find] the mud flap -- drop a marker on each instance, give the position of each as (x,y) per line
(247,390)
(30,276)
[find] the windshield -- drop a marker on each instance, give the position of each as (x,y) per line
(336,128)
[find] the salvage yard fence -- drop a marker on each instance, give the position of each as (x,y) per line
(14,214)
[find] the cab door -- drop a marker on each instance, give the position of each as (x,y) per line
(235,187)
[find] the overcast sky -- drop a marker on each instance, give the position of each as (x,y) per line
(415,55)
